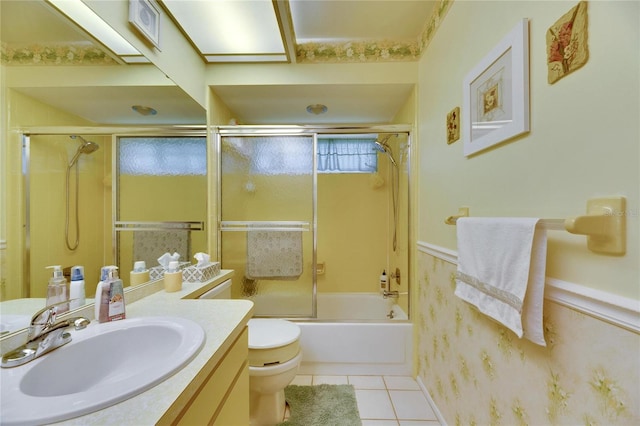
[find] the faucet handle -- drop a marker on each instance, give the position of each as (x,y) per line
(44,318)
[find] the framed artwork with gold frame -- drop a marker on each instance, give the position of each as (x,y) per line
(496,93)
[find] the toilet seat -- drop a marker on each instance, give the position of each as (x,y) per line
(272,341)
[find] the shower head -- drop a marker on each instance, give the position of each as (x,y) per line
(87,147)
(382,146)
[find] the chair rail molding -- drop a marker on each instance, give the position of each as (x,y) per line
(616,310)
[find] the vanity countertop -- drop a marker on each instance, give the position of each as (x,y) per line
(222,321)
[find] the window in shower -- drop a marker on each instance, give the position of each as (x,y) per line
(266,235)
(347,155)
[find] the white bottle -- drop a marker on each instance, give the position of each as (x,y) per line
(384,282)
(76,288)
(57,289)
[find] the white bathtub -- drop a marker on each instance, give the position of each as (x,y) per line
(353,335)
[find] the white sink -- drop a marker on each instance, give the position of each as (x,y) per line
(103,365)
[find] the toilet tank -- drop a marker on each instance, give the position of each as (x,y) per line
(221,291)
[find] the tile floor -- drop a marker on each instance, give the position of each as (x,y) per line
(383,400)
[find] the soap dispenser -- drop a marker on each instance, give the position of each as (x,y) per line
(111,306)
(57,289)
(102,296)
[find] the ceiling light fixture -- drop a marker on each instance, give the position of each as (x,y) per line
(88,20)
(317,109)
(144,110)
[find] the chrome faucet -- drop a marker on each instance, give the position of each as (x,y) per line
(392,294)
(45,334)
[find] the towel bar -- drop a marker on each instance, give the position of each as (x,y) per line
(604,224)
(247,226)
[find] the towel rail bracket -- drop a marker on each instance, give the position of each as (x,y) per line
(605,225)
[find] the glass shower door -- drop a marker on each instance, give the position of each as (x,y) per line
(267,187)
(161,203)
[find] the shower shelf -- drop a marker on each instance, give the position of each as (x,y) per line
(604,224)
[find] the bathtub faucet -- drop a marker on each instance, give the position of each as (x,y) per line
(392,294)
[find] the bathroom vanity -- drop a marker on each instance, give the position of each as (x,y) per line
(213,388)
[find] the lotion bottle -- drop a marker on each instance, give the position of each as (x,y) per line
(173,277)
(384,282)
(140,273)
(57,289)
(115,306)
(76,288)
(102,296)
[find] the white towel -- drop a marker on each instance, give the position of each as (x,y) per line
(275,255)
(501,271)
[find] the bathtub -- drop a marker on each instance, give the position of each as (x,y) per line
(354,335)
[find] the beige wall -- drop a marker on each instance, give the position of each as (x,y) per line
(583,143)
(3,183)
(353,235)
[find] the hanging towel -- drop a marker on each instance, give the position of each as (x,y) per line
(501,271)
(275,255)
(149,245)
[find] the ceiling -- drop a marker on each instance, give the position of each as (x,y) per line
(301,23)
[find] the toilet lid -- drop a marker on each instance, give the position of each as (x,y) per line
(271,333)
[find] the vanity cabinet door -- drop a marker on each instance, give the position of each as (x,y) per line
(223,398)
(235,411)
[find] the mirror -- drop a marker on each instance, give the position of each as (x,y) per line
(42,94)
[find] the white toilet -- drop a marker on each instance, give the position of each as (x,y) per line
(274,358)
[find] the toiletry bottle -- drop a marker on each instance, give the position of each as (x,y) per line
(173,277)
(76,288)
(140,273)
(384,282)
(115,307)
(102,296)
(57,289)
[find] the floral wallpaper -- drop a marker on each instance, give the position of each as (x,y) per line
(374,51)
(479,373)
(54,55)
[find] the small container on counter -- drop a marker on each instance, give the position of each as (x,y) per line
(173,277)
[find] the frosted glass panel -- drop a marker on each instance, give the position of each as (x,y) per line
(267,188)
(163,156)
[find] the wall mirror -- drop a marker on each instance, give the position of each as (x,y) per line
(80,106)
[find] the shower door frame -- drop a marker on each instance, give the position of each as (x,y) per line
(217,132)
(252,131)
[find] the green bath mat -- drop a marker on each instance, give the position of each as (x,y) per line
(322,405)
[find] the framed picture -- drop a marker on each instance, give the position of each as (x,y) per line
(145,16)
(453,125)
(496,93)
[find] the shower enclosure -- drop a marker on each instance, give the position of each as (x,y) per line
(67,205)
(309,215)
(110,199)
